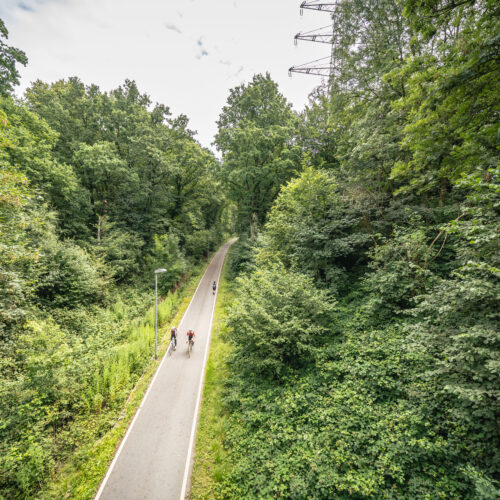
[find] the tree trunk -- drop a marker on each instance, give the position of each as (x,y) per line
(99,225)
(253,226)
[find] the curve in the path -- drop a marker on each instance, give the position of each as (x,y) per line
(154,459)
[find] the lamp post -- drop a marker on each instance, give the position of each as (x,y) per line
(157,272)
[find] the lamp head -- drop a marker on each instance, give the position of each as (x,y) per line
(158,271)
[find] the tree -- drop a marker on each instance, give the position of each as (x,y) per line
(255,136)
(452,98)
(30,149)
(458,323)
(102,173)
(9,57)
(16,259)
(139,170)
(312,229)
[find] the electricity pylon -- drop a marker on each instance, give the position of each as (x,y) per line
(326,66)
(318,5)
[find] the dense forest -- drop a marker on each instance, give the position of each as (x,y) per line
(363,335)
(97,189)
(364,332)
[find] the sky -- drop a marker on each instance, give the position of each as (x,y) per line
(186,54)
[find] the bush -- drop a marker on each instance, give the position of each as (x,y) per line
(399,273)
(67,276)
(241,259)
(312,229)
(200,243)
(166,254)
(121,251)
(278,321)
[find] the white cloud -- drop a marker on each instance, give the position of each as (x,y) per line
(189,64)
(173,27)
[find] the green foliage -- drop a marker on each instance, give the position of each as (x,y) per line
(452,96)
(241,259)
(166,253)
(15,256)
(255,137)
(9,57)
(101,171)
(400,272)
(137,169)
(312,229)
(352,428)
(121,250)
(278,322)
(458,323)
(67,277)
(29,148)
(398,217)
(199,243)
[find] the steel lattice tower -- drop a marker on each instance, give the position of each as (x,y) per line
(326,66)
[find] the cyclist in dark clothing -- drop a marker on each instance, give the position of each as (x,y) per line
(173,336)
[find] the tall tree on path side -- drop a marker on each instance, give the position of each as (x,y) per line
(256,130)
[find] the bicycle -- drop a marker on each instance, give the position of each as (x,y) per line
(173,345)
(190,343)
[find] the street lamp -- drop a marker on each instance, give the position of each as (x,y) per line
(157,272)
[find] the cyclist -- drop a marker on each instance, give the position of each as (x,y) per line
(190,336)
(214,287)
(173,336)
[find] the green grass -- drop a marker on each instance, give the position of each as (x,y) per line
(211,458)
(79,477)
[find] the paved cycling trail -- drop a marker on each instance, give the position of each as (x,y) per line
(155,458)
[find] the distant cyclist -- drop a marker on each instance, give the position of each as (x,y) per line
(173,336)
(190,336)
(214,287)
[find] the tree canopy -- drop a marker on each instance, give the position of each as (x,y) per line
(255,136)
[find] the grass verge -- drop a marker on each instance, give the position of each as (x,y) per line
(80,476)
(211,458)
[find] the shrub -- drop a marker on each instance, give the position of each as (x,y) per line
(166,254)
(67,276)
(278,321)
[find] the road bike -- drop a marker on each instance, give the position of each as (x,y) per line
(190,343)
(173,345)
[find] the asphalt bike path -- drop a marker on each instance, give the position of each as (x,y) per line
(154,460)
